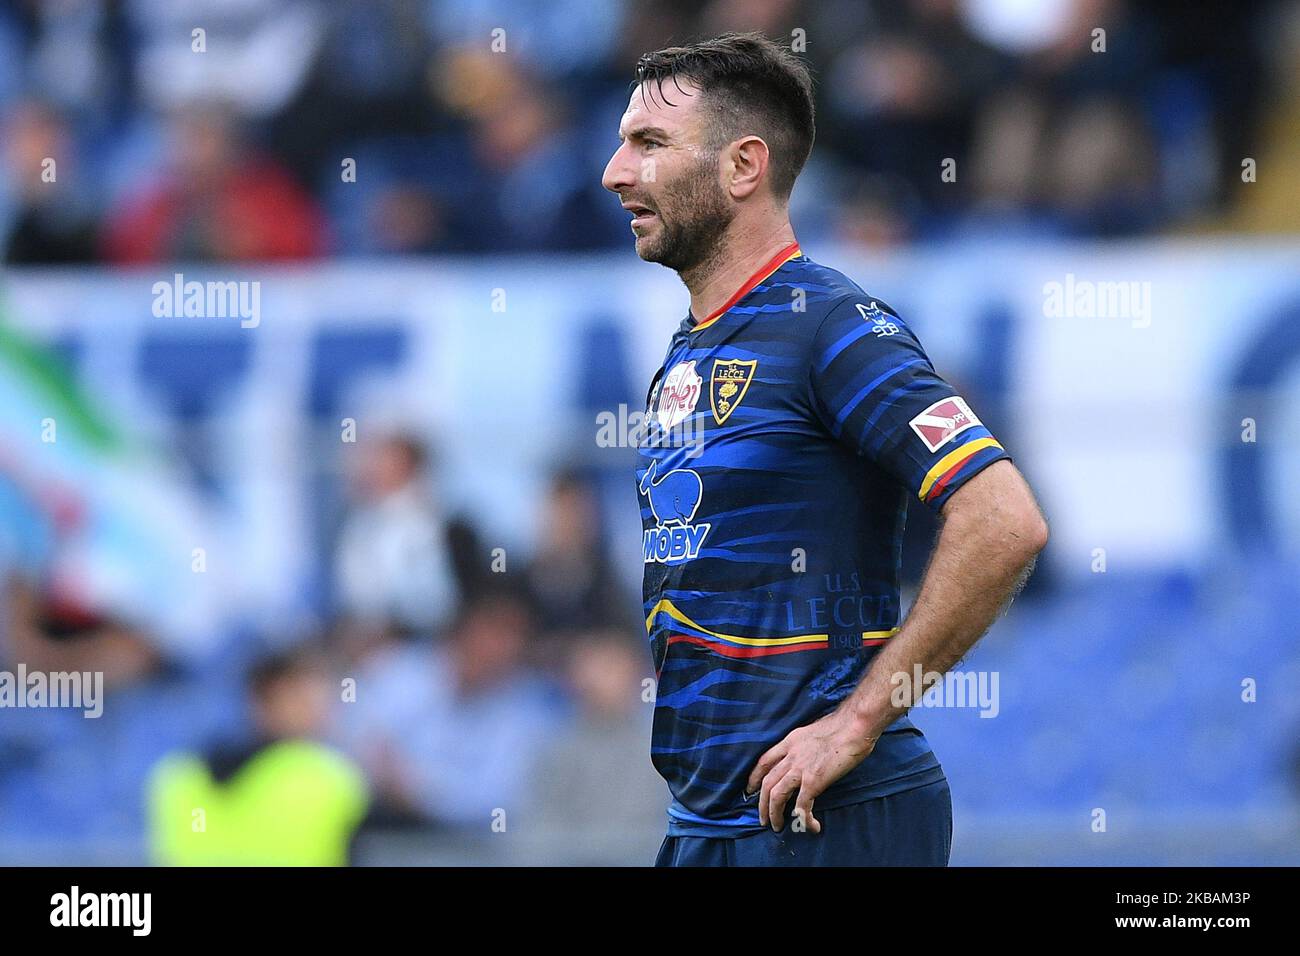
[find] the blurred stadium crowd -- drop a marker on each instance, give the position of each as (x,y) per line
(466,695)
(483,125)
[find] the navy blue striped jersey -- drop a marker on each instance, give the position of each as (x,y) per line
(786,433)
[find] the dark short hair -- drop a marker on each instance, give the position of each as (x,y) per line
(268,671)
(754,86)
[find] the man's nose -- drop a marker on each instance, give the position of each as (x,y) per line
(620,171)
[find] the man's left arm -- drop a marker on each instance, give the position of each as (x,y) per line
(992,530)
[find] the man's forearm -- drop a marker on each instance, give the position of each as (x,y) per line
(983,555)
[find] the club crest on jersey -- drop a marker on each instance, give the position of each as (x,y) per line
(943,421)
(674,499)
(678,395)
(731,378)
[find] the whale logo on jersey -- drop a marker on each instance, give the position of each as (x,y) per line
(674,499)
(731,378)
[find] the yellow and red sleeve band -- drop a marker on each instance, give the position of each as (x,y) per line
(947,467)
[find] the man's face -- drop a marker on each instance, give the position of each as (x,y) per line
(667,176)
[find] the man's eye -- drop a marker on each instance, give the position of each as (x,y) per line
(649,143)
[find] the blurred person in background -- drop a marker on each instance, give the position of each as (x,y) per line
(48,619)
(542,34)
(52,215)
(595,799)
(1272,203)
(525,161)
(1065,136)
(368,78)
(445,732)
(215,199)
(279,798)
(367,98)
(54,636)
(1049,135)
(401,566)
(71,52)
(570,580)
(898,101)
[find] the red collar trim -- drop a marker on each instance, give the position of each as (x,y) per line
(766,269)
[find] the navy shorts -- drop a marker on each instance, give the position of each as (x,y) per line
(912,828)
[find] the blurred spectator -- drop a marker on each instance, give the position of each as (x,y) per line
(367,83)
(1270,203)
(52,636)
(215,201)
(526,185)
(484,127)
(595,778)
(1068,134)
(898,104)
(401,565)
(543,34)
(71,54)
(52,217)
(571,581)
(281,799)
(443,731)
(45,627)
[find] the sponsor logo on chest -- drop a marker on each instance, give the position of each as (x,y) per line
(679,395)
(674,498)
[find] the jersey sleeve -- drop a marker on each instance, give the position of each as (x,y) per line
(874,389)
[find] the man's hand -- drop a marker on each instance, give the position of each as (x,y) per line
(807,761)
(992,530)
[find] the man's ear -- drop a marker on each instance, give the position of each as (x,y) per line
(748,166)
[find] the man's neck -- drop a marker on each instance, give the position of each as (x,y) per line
(741,253)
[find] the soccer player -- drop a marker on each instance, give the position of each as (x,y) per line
(792,418)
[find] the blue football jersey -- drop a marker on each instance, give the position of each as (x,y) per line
(786,433)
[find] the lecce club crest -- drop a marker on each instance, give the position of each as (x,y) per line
(731,378)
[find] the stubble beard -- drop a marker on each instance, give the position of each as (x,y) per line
(693,217)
